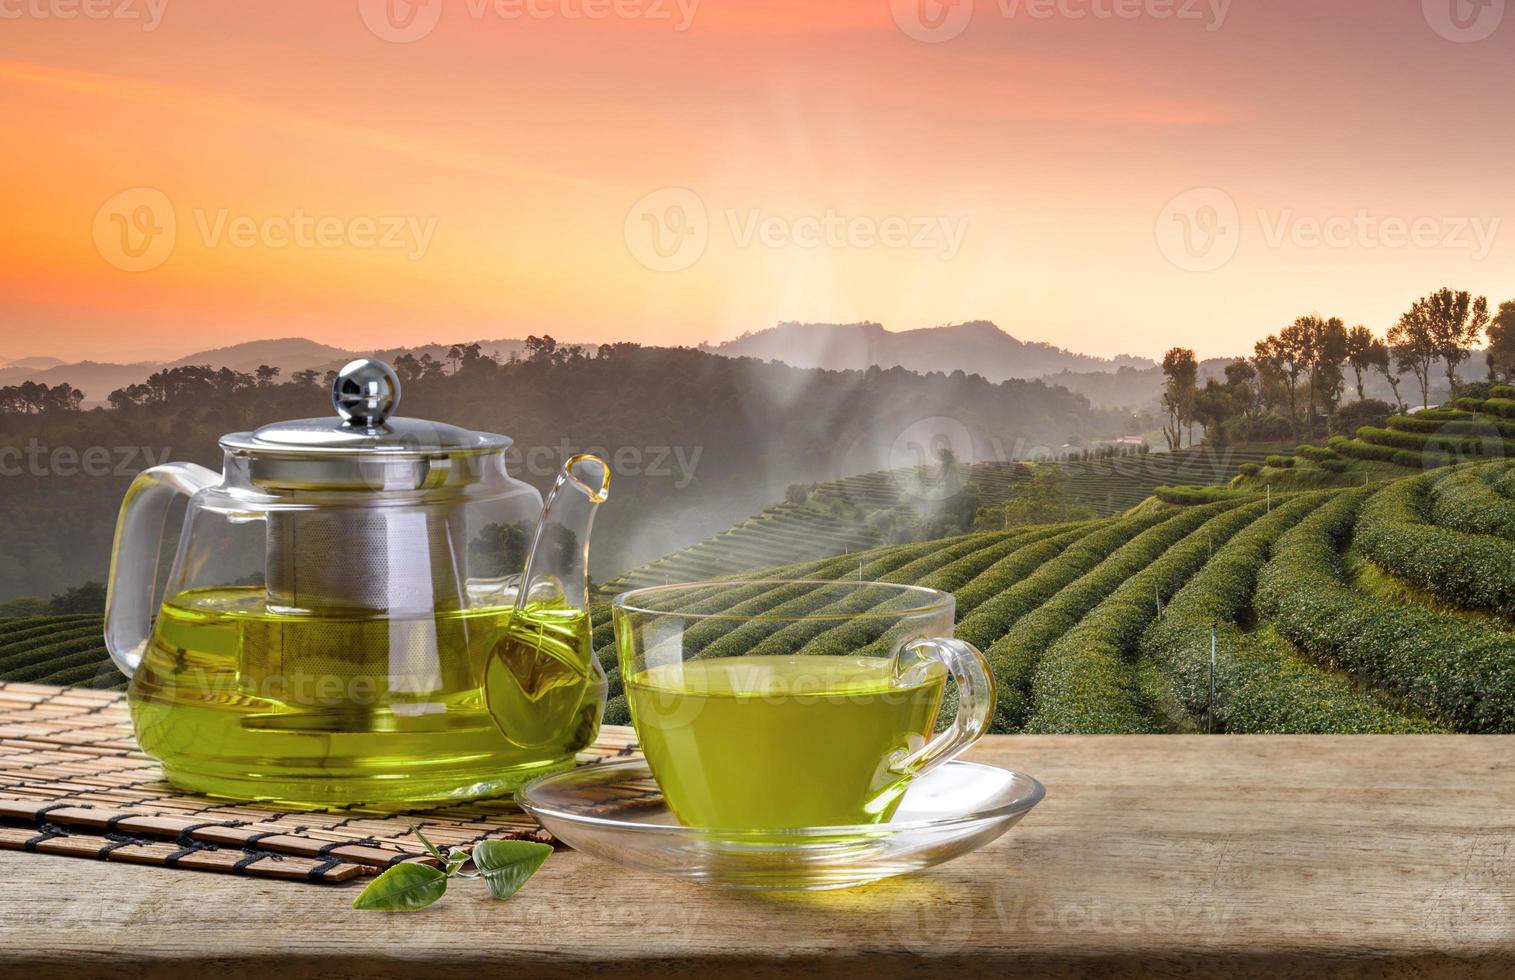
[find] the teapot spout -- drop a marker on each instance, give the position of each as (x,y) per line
(557,567)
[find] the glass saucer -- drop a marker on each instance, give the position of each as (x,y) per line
(615,812)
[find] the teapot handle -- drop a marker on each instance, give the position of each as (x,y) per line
(129,607)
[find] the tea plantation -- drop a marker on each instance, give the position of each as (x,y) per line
(1367,585)
(834,519)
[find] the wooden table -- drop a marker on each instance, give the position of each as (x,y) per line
(1360,856)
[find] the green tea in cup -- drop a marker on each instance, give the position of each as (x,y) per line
(820,717)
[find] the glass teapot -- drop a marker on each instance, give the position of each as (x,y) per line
(361,609)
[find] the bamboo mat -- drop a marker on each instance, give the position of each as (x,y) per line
(72,782)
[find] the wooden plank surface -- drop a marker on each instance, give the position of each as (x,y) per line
(1167,856)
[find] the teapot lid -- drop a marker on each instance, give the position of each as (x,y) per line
(365,395)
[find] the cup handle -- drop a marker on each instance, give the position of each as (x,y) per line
(970,671)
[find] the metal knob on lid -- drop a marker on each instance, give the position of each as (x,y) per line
(366,393)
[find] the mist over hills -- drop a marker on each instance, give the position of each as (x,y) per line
(976,347)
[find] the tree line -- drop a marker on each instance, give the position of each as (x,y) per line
(1301,372)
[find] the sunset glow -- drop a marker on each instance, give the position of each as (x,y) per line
(681,172)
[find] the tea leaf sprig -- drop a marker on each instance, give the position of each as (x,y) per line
(505,865)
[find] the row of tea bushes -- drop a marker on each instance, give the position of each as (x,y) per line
(1086,681)
(1022,589)
(1439,443)
(1261,683)
(1015,655)
(1466,500)
(1475,571)
(1460,673)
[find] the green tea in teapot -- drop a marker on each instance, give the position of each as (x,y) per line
(242,700)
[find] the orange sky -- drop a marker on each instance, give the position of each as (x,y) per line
(183,176)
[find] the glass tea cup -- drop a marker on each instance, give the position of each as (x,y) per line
(769,705)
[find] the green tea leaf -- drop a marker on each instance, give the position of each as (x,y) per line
(456,858)
(403,888)
(506,864)
(430,847)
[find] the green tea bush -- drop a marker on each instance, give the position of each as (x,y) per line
(1438,442)
(1249,469)
(1466,500)
(1019,564)
(1358,449)
(1483,426)
(1191,496)
(1502,391)
(1261,683)
(1503,407)
(1022,587)
(1280,462)
(1014,656)
(1461,673)
(1469,404)
(1316,454)
(1475,571)
(1085,681)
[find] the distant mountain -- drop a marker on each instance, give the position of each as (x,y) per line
(978,347)
(34,363)
(96,380)
(289,354)
(286,354)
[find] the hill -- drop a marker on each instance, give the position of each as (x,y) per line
(979,347)
(844,516)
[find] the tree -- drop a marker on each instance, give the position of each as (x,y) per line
(1328,349)
(1181,369)
(307,378)
(1241,382)
(1360,341)
(1289,349)
(1501,356)
(1214,405)
(1455,322)
(1415,347)
(266,373)
(1379,360)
